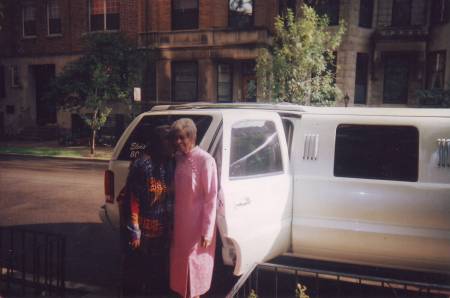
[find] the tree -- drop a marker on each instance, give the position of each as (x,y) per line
(105,75)
(296,67)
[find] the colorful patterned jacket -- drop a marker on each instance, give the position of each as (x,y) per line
(151,199)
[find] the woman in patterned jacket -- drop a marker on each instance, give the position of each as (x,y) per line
(149,185)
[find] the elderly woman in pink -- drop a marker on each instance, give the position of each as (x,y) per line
(193,243)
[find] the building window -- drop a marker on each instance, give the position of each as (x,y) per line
(284,5)
(396,80)
(224,82)
(184,81)
(401,13)
(365,13)
(29,19)
(361,76)
(255,149)
(377,152)
(104,15)
(248,79)
(440,11)
(436,70)
(329,8)
(15,77)
(184,14)
(54,17)
(241,13)
(2,82)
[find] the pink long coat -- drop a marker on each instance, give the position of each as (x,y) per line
(191,266)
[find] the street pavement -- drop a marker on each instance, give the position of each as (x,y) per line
(63,196)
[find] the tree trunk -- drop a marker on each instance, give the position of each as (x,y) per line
(93,142)
(94,131)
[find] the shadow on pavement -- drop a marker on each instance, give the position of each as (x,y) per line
(92,256)
(93,259)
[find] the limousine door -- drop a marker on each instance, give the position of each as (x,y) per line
(255,187)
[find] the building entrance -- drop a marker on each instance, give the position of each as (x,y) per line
(45,108)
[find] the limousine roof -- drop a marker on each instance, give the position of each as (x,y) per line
(298,109)
(209,105)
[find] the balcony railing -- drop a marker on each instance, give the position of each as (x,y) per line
(415,33)
(204,38)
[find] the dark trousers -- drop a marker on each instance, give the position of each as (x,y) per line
(145,271)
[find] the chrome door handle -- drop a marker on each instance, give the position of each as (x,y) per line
(243,202)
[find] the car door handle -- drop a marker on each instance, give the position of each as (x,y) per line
(243,202)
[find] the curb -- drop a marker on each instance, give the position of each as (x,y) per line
(55,157)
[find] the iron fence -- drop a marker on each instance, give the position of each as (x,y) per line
(31,263)
(273,280)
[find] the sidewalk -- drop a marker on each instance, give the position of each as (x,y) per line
(53,149)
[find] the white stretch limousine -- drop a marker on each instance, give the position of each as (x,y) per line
(356,185)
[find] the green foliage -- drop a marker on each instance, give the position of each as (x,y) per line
(296,67)
(105,75)
(253,294)
(300,292)
(439,98)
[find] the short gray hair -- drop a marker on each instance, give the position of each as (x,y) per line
(184,125)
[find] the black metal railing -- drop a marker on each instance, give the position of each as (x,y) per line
(419,33)
(273,280)
(31,263)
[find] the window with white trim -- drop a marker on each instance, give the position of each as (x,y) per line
(361,78)
(29,19)
(53,17)
(184,81)
(365,13)
(104,15)
(184,14)
(241,13)
(436,70)
(440,12)
(329,8)
(401,13)
(224,82)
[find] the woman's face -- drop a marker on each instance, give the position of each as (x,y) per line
(183,142)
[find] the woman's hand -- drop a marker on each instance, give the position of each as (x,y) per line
(205,242)
(135,243)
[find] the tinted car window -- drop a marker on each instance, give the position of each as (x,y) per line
(377,152)
(255,149)
(140,135)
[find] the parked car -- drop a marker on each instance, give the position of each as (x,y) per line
(355,185)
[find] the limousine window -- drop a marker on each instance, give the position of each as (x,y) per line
(377,152)
(255,149)
(140,136)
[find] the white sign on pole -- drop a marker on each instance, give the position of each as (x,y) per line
(137,94)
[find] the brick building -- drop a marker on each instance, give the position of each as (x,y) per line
(206,50)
